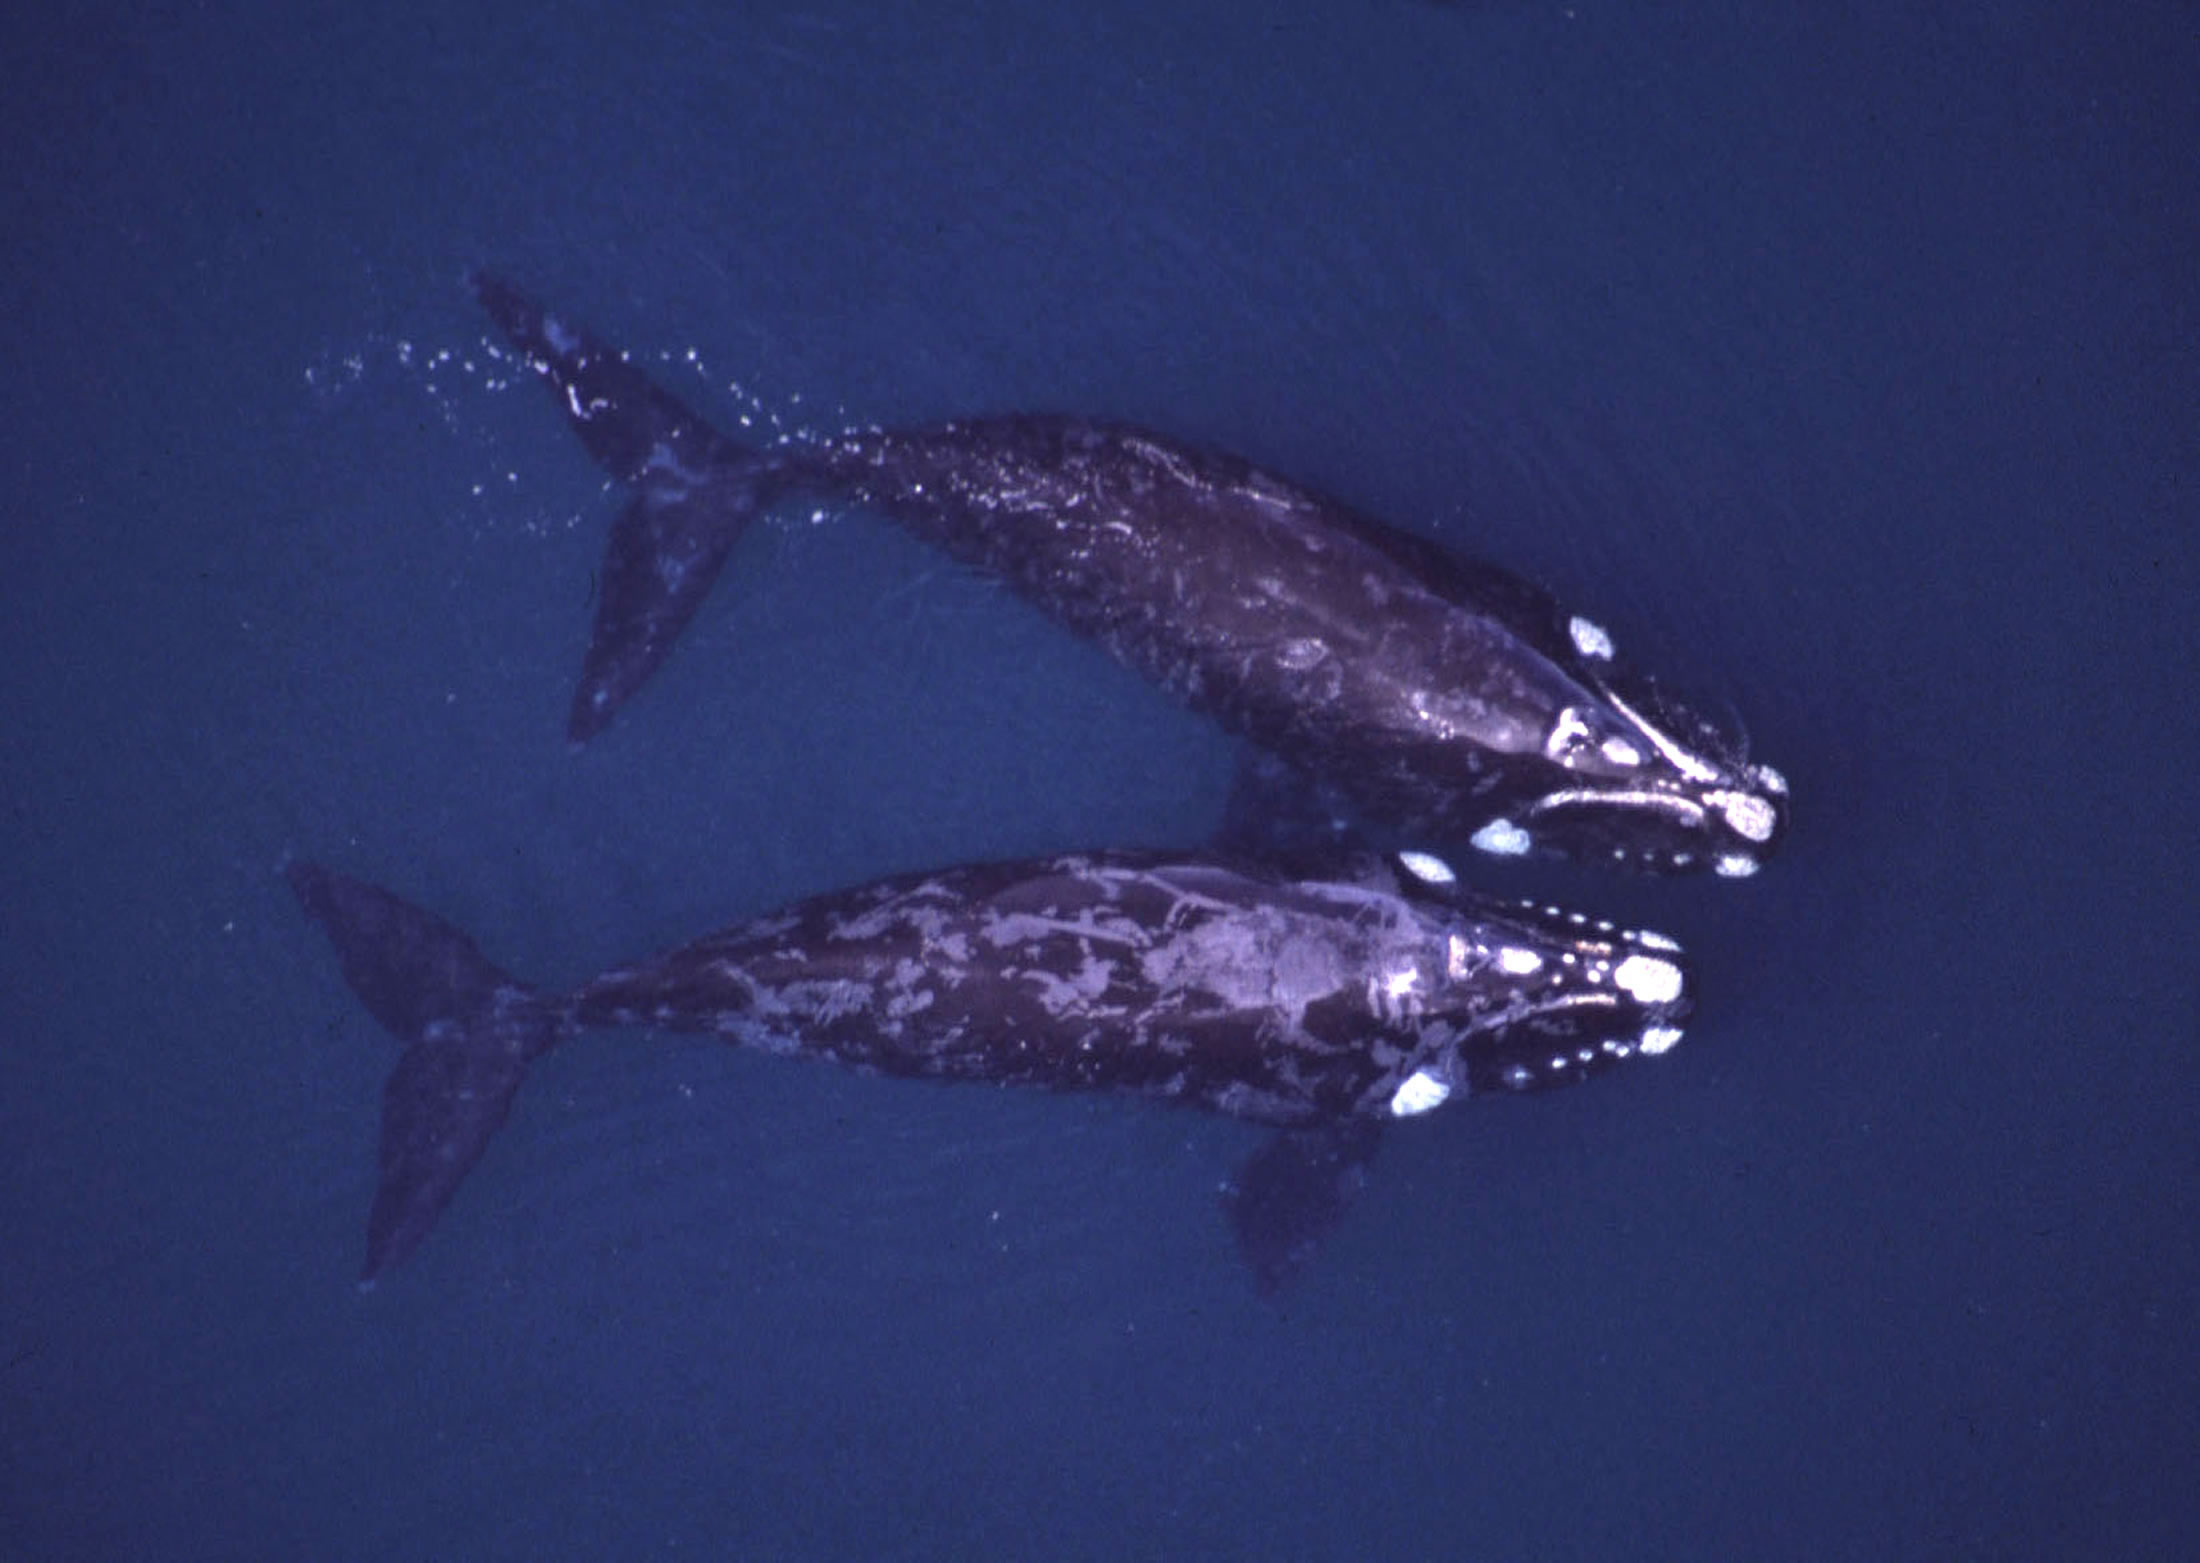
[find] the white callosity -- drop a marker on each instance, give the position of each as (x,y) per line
(1648,979)
(1590,639)
(1746,814)
(1502,838)
(1421,1092)
(1428,868)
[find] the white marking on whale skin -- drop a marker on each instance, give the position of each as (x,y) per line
(1659,1039)
(1648,980)
(1651,940)
(1620,752)
(1502,838)
(1279,962)
(1569,726)
(1068,997)
(815,1003)
(1518,962)
(1748,815)
(1421,1092)
(1029,928)
(907,993)
(1589,639)
(1734,865)
(1167,460)
(555,333)
(1395,996)
(1428,868)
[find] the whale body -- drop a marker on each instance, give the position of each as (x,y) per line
(1326,1006)
(1445,698)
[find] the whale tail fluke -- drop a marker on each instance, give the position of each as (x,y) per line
(695,491)
(469,1033)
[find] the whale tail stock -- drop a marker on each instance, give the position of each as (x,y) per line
(469,1032)
(694,492)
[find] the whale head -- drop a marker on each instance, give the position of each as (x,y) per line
(1636,778)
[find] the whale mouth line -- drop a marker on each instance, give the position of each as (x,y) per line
(1686,812)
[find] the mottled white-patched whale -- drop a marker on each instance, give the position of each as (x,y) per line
(1325,1005)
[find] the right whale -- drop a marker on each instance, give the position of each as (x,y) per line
(1325,1005)
(1444,697)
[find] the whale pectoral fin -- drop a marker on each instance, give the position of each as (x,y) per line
(1277,813)
(1292,1192)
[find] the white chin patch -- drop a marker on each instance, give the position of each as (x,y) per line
(1659,1039)
(1502,838)
(1422,1092)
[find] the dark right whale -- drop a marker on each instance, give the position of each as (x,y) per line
(1444,697)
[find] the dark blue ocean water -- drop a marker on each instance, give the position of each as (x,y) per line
(1844,365)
